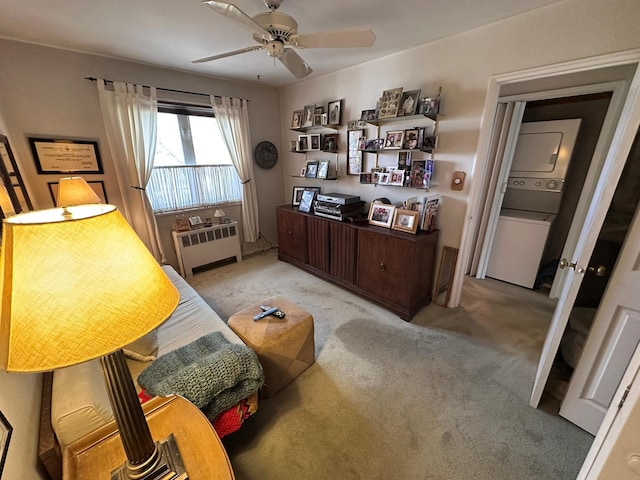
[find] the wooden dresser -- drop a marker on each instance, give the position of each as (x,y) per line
(391,268)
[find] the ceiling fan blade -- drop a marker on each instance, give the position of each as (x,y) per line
(338,39)
(228,54)
(232,12)
(294,63)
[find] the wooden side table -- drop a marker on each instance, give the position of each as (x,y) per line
(95,455)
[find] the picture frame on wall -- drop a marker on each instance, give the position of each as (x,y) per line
(314,141)
(317,119)
(411,138)
(303,142)
(96,185)
(330,142)
(323,169)
(390,103)
(405,220)
(55,156)
(429,105)
(334,112)
(394,139)
(354,153)
(296,120)
(409,102)
(307,115)
(312,169)
(381,214)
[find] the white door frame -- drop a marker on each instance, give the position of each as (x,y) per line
(474,201)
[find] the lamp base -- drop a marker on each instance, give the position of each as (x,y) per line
(169,465)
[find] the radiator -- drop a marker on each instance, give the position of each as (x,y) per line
(203,246)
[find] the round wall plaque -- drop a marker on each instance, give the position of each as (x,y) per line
(266,154)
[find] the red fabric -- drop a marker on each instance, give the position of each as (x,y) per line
(228,421)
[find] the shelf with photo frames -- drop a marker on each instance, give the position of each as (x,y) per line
(319,170)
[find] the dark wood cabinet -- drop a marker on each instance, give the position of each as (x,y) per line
(332,248)
(292,236)
(391,268)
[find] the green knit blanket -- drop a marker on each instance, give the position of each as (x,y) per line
(210,372)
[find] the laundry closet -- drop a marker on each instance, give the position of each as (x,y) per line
(552,155)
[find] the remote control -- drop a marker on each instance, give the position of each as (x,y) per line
(265,313)
(277,313)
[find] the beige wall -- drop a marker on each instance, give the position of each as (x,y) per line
(44,92)
(462,65)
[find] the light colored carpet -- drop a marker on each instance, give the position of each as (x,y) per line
(442,397)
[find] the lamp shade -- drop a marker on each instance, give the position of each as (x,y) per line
(219,213)
(76,287)
(75,191)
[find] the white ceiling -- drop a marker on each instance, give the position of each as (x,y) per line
(171,33)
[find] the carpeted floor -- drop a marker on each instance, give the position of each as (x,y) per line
(442,397)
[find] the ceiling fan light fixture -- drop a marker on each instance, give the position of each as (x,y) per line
(274,49)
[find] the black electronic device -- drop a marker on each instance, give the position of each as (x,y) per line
(337,211)
(337,198)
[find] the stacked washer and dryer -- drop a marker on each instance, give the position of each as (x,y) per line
(532,199)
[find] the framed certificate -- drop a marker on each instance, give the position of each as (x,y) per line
(65,156)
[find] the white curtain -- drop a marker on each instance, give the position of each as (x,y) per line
(233,120)
(131,118)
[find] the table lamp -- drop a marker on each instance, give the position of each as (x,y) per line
(219,214)
(75,191)
(81,285)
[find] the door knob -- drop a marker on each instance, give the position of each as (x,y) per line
(599,270)
(564,263)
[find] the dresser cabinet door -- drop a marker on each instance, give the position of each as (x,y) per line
(343,248)
(384,266)
(292,235)
(318,243)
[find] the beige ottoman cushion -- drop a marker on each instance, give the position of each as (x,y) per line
(285,347)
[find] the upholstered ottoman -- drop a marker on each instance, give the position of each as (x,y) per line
(285,347)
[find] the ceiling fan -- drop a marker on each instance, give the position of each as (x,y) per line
(275,32)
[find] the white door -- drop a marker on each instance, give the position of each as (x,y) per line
(596,209)
(614,336)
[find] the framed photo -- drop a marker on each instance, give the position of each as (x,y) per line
(390,103)
(293,146)
(366,178)
(97,186)
(314,141)
(297,194)
(430,143)
(381,214)
(306,201)
(303,142)
(367,115)
(5,436)
(383,178)
(396,177)
(334,112)
(296,121)
(312,169)
(394,139)
(65,156)
(429,106)
(411,139)
(405,220)
(323,169)
(330,142)
(409,102)
(317,119)
(354,153)
(307,115)
(374,143)
(404,160)
(319,110)
(303,172)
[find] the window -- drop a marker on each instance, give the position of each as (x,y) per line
(192,167)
